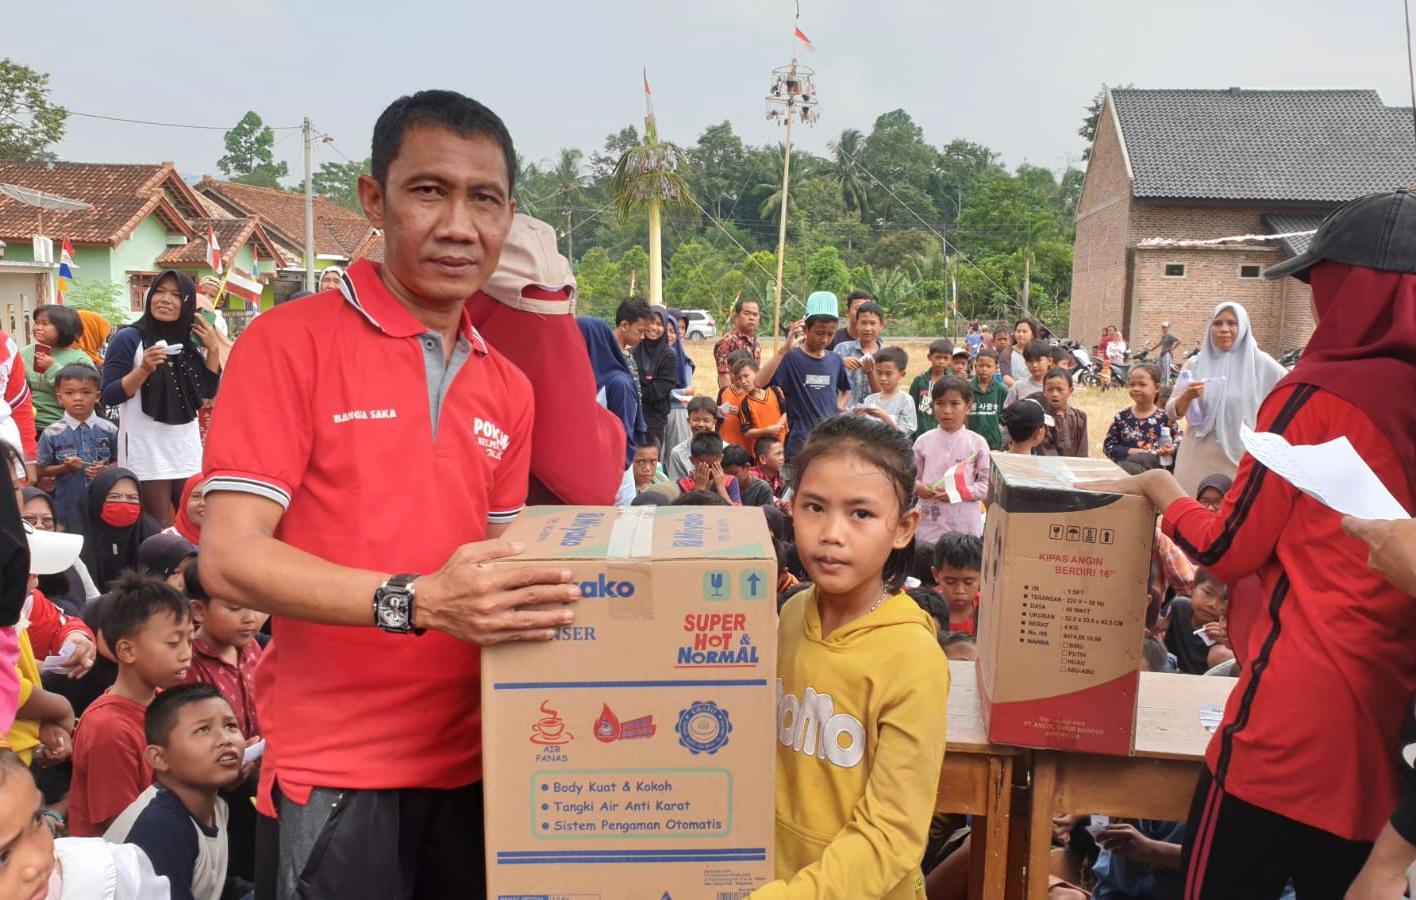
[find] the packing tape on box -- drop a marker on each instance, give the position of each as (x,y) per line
(632,535)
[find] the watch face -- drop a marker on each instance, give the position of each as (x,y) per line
(393,612)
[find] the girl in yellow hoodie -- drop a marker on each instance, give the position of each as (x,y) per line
(862,686)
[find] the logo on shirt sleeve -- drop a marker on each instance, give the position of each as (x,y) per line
(490,437)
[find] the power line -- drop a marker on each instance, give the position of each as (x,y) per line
(1410,66)
(172,124)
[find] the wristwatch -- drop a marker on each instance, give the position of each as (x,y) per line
(393,605)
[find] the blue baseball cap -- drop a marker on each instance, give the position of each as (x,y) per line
(822,304)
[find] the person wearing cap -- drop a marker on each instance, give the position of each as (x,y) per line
(1166,345)
(812,378)
(1026,423)
(1225,384)
(959,362)
(367,453)
(1299,779)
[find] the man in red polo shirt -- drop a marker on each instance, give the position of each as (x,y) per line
(369,432)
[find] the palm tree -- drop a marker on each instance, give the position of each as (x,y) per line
(803,167)
(855,191)
(651,176)
(570,178)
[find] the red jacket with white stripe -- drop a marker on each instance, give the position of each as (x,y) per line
(17,412)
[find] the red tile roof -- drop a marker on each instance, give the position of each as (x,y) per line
(121,196)
(338,232)
(231,236)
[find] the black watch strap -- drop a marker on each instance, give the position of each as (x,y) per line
(394,605)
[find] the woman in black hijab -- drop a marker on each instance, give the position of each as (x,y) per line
(159,370)
(658,374)
(113,525)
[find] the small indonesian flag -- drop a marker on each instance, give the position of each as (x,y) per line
(213,251)
(245,287)
(801,36)
(955,481)
(66,268)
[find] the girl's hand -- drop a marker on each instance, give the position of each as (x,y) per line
(42,361)
(153,357)
(924,491)
(81,660)
(207,334)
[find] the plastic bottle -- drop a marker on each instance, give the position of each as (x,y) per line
(1165,439)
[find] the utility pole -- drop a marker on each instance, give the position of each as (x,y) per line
(793,94)
(1027,278)
(309,212)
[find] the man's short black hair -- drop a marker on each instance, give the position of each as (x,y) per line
(738,304)
(133,599)
(65,320)
(76,372)
(735,456)
(895,355)
(633,309)
(444,109)
(986,353)
(764,445)
(162,711)
(870,306)
(649,441)
(853,296)
(192,582)
(1037,350)
(703,404)
(958,550)
(942,345)
(708,444)
(1058,372)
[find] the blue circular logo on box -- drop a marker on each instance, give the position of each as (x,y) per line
(703,727)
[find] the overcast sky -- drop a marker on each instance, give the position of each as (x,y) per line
(1015,76)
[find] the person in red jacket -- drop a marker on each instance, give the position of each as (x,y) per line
(17,410)
(1299,777)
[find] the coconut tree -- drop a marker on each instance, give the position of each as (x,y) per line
(570,181)
(855,190)
(651,176)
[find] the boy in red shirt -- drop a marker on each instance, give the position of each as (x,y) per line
(148,627)
(224,649)
(958,572)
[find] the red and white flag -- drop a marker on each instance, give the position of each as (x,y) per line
(955,481)
(213,251)
(801,36)
(648,94)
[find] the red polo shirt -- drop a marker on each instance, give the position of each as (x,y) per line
(326,409)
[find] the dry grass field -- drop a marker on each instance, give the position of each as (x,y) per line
(1100,406)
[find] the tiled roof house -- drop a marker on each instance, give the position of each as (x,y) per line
(1174,166)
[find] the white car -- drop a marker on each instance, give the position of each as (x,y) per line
(698,324)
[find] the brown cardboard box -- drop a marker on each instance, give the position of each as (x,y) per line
(634,756)
(1063,605)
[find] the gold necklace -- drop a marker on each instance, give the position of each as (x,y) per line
(884,595)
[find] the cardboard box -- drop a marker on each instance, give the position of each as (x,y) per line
(1063,605)
(635,755)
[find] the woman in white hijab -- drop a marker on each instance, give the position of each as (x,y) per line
(1220,390)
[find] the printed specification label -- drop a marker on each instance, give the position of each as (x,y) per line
(631,803)
(1070,621)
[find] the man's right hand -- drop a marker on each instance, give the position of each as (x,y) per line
(152,358)
(483,605)
(796,334)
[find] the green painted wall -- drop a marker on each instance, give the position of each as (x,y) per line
(92,262)
(137,253)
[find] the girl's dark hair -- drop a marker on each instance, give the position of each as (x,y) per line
(704,405)
(882,446)
(1058,372)
(951,383)
(1150,369)
(65,321)
(1031,323)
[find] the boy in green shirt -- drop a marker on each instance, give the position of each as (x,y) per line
(988,398)
(922,388)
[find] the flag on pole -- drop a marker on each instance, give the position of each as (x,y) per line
(801,36)
(648,94)
(213,251)
(245,287)
(954,284)
(955,481)
(66,269)
(256,274)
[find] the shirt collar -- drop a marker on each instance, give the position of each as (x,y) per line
(364,290)
(72,422)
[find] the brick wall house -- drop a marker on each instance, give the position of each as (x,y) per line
(1188,165)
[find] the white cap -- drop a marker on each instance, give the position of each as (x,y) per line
(52,551)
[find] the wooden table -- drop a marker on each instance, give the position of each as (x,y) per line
(1156,782)
(977,780)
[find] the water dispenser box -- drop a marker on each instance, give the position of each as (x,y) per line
(635,755)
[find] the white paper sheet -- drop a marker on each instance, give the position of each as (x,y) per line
(58,661)
(1211,716)
(1332,474)
(254,752)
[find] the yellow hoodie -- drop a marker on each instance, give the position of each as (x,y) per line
(861,720)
